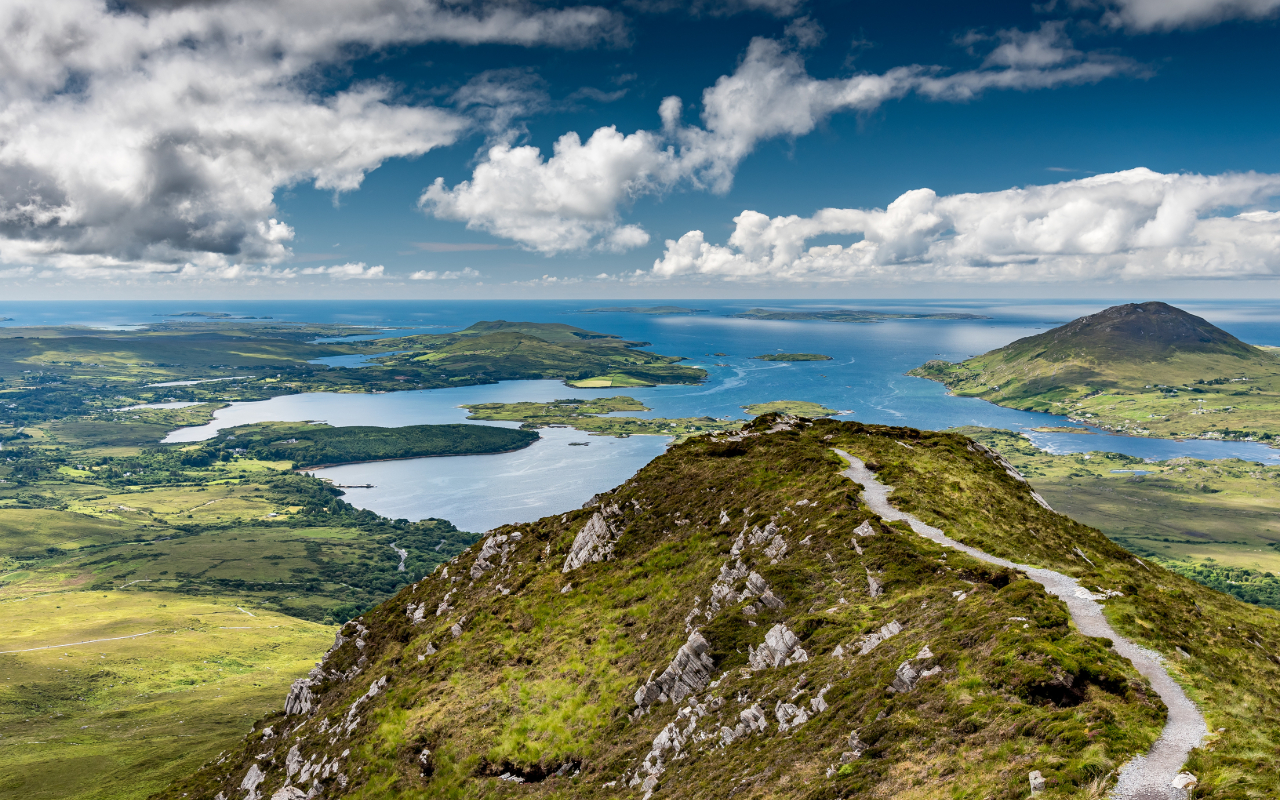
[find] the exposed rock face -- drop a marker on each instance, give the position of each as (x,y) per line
(689,672)
(781,648)
(874,587)
(886,631)
(865,529)
(789,716)
(904,680)
(593,543)
(288,792)
(252,779)
(1037,782)
(499,546)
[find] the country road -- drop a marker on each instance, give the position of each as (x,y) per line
(1145,777)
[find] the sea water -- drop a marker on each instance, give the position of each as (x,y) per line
(864,378)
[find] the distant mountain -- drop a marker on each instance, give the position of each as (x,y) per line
(736,621)
(845,315)
(1145,368)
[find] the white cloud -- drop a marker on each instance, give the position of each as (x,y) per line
(349,271)
(1151,15)
(423,275)
(1136,224)
(152,136)
(572,200)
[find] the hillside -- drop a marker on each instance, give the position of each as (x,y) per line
(1146,369)
(735,622)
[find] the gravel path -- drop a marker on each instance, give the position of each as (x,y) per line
(1148,777)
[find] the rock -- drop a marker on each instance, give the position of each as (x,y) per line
(781,648)
(929,673)
(865,529)
(838,652)
(1183,783)
(252,779)
(886,631)
(789,716)
(753,719)
(493,546)
(904,680)
(806,541)
(856,748)
(925,652)
(593,543)
(776,549)
(288,792)
(818,703)
(431,649)
(292,762)
(444,604)
(567,588)
(1037,782)
(874,587)
(456,630)
(689,672)
(724,518)
(300,699)
(757,586)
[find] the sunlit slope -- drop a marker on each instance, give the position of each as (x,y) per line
(540,657)
(1143,368)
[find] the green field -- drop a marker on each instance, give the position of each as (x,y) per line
(1213,521)
(796,408)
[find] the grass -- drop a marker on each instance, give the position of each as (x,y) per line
(543,675)
(794,407)
(120,719)
(587,416)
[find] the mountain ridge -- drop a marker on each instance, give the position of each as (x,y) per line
(877,664)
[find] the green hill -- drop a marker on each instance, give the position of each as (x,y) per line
(734,621)
(1141,368)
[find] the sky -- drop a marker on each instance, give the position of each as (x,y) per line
(647,149)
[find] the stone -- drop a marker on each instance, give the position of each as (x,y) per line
(1037,782)
(925,652)
(724,518)
(593,543)
(874,587)
(753,719)
(886,631)
(493,546)
(292,761)
(865,529)
(431,649)
(818,703)
(688,673)
(781,648)
(838,652)
(777,549)
(444,604)
(1183,783)
(251,781)
(300,699)
(789,716)
(567,588)
(288,792)
(904,679)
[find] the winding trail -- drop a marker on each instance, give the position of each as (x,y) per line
(1148,777)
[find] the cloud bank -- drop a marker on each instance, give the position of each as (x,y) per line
(571,201)
(1131,225)
(152,136)
(1155,15)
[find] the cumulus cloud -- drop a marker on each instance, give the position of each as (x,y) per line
(423,275)
(349,271)
(572,200)
(1136,224)
(1152,15)
(152,136)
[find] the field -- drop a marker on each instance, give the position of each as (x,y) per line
(1214,521)
(121,718)
(799,408)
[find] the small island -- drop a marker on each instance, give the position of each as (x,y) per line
(796,408)
(6,319)
(658,310)
(585,415)
(845,315)
(792,357)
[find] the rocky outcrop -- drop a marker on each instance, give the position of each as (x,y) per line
(781,648)
(498,546)
(689,672)
(886,631)
(594,543)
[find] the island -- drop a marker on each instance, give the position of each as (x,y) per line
(792,357)
(311,446)
(589,416)
(6,319)
(846,315)
(1144,369)
(658,310)
(796,408)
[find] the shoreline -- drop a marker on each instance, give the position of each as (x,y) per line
(411,458)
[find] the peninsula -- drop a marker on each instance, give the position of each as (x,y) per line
(1145,369)
(792,357)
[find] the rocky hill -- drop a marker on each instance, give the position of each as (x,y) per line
(1143,368)
(737,621)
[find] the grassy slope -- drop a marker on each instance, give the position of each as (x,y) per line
(119,719)
(541,676)
(1214,519)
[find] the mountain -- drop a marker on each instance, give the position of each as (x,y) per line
(743,619)
(1141,368)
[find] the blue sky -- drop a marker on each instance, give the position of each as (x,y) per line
(850,149)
